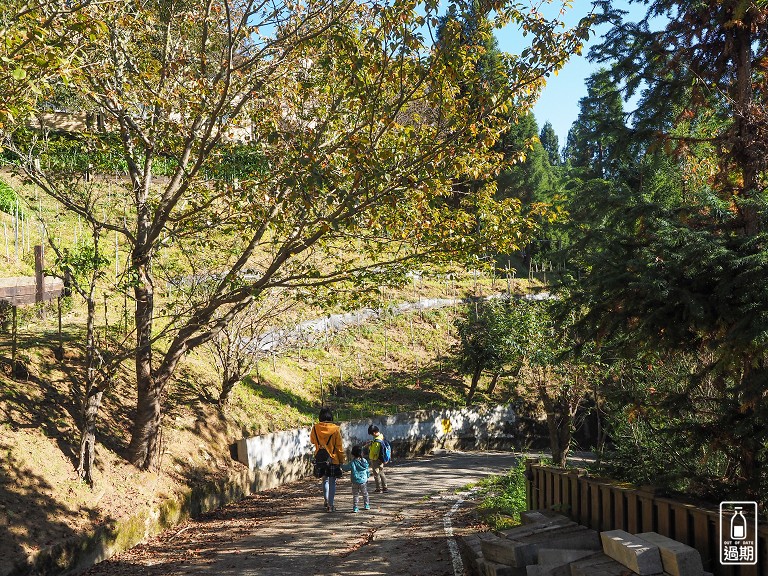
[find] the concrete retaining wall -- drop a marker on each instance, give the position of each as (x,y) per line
(410,434)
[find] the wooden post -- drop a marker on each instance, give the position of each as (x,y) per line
(649,516)
(619,508)
(13,345)
(557,493)
(634,512)
(61,340)
(16,230)
(585,508)
(665,519)
(106,319)
(595,515)
(39,280)
(701,534)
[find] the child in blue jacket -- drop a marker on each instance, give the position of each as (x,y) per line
(358,466)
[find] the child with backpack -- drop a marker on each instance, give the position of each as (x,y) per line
(379,453)
(358,466)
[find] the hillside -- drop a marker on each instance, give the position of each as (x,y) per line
(41,499)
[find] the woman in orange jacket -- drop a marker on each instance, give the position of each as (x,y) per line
(326,434)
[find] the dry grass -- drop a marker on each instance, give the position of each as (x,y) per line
(41,499)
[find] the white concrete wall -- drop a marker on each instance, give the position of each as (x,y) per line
(433,427)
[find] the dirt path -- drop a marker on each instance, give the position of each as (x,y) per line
(285,532)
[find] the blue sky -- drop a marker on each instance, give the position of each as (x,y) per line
(559,102)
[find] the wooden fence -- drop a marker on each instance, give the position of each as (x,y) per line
(607,505)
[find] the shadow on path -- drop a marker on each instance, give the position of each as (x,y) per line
(285,532)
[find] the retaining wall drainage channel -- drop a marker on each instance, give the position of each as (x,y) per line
(311,331)
(272,460)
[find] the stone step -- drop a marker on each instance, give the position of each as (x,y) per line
(600,565)
(562,566)
(548,570)
(559,556)
(632,551)
(519,532)
(488,568)
(676,558)
(544,517)
(579,538)
(524,550)
(505,551)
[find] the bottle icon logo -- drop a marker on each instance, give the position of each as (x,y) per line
(738,533)
(738,524)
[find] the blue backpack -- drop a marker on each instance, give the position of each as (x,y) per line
(385,449)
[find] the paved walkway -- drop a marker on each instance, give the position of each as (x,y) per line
(285,531)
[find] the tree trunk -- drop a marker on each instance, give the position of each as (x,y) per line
(226,389)
(473,385)
(554,439)
(93,395)
(492,384)
(744,119)
(564,438)
(143,451)
(88,434)
(600,432)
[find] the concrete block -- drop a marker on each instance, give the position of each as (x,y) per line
(600,565)
(593,564)
(578,538)
(559,556)
(542,517)
(509,552)
(523,551)
(548,570)
(494,569)
(677,558)
(470,544)
(633,552)
(519,532)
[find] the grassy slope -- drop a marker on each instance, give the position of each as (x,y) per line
(41,500)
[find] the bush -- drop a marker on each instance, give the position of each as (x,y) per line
(504,498)
(8,198)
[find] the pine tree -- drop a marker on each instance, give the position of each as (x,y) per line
(673,260)
(529,176)
(550,143)
(597,140)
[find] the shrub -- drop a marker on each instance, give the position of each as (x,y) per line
(8,198)
(504,498)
